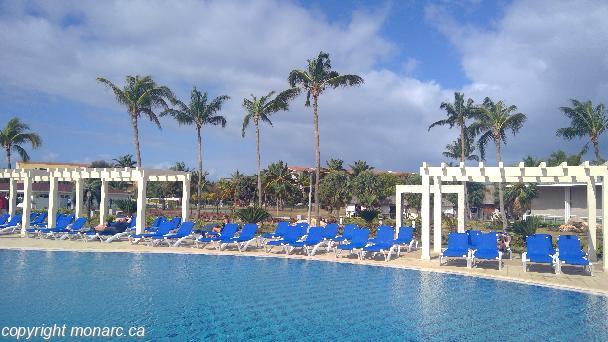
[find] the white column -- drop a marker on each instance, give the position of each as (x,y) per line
(398,210)
(53,200)
(436,215)
(591,214)
(141,205)
(185,199)
(27,205)
(566,203)
(604,221)
(103,203)
(79,198)
(461,214)
(12,197)
(424,214)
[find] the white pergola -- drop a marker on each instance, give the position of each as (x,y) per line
(542,174)
(141,176)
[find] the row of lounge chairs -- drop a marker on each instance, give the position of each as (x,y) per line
(475,246)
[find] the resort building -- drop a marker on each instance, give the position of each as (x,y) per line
(564,202)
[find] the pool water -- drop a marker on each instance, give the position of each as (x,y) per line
(199,297)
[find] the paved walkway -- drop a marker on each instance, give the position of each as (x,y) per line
(571,278)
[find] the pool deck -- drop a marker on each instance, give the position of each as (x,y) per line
(570,278)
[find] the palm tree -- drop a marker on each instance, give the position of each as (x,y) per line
(457,115)
(585,120)
(125,160)
(260,109)
(335,164)
(14,135)
(141,96)
(280,182)
(315,80)
(520,196)
(359,166)
(199,112)
(531,161)
(92,192)
(453,151)
(494,121)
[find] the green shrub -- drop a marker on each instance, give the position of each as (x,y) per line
(368,215)
(252,215)
(126,205)
(525,227)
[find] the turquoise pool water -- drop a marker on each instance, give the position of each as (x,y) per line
(198,297)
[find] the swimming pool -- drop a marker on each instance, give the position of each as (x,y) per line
(192,297)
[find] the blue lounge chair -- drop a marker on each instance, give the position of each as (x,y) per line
(62,223)
(11,225)
(487,249)
(60,232)
(358,241)
(310,244)
(227,233)
(155,224)
(383,243)
(405,238)
(279,231)
(539,250)
(4,218)
(569,252)
(184,231)
(40,220)
(329,234)
(163,229)
(246,237)
(347,233)
(293,234)
(474,238)
(458,248)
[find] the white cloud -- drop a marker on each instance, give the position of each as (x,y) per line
(538,55)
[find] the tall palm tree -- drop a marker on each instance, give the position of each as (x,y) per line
(260,109)
(359,166)
(141,95)
(125,160)
(315,79)
(585,120)
(453,151)
(199,112)
(14,135)
(493,123)
(458,113)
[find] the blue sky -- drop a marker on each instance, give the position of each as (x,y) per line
(412,54)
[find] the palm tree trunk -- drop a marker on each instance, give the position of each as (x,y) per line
(317,155)
(136,138)
(257,150)
(8,157)
(501,195)
(596,149)
(462,160)
(200,171)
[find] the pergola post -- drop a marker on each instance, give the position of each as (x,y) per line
(424,213)
(398,210)
(27,204)
(436,215)
(53,197)
(141,204)
(567,204)
(12,196)
(605,221)
(103,203)
(79,196)
(591,219)
(461,206)
(185,198)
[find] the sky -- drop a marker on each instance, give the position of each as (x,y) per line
(413,55)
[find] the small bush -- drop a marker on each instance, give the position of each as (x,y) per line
(252,215)
(525,227)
